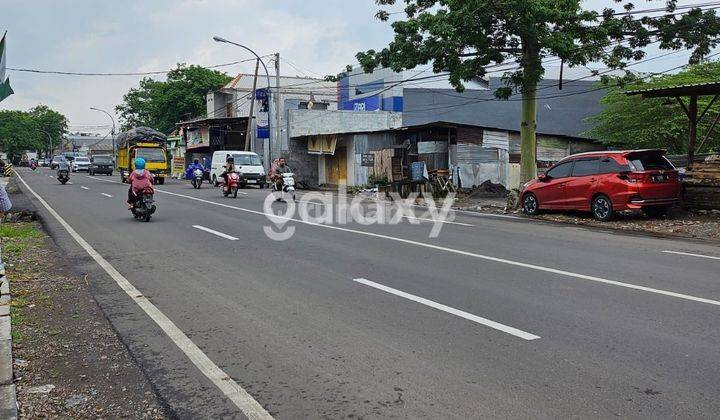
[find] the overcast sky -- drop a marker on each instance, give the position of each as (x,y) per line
(320,36)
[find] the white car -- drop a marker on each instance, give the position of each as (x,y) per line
(247,163)
(81,163)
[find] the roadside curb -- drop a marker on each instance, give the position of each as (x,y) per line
(8,397)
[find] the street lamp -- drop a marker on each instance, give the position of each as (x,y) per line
(267,74)
(113,127)
(49,138)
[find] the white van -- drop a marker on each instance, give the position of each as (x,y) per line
(247,163)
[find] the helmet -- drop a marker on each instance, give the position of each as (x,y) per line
(140,163)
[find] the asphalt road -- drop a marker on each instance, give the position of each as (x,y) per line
(496,317)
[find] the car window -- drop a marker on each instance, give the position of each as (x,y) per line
(585,167)
(609,166)
(150,155)
(252,160)
(649,161)
(560,171)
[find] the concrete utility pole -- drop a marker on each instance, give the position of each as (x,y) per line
(278,111)
(249,137)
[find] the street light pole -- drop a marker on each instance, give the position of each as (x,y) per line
(49,138)
(112,133)
(267,75)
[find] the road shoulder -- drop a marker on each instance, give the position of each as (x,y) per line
(69,361)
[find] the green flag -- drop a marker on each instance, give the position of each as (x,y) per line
(5,89)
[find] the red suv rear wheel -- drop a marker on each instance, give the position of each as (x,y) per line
(602,208)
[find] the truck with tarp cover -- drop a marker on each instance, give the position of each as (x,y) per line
(148,144)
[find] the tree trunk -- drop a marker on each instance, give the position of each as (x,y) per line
(528,166)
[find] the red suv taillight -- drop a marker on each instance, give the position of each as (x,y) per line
(633,177)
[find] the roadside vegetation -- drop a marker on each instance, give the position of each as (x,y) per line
(631,122)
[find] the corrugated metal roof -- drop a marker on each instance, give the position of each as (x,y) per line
(561,113)
(699,89)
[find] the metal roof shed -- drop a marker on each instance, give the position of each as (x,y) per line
(691,110)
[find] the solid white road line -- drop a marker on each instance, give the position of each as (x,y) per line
(462,314)
(251,408)
(106,195)
(215,232)
(422,219)
(460,252)
(425,219)
(692,255)
(84,187)
(477,213)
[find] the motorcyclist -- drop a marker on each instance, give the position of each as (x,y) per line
(189,172)
(229,167)
(139,180)
(279,167)
(63,166)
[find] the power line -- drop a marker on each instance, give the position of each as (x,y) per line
(147,73)
(664,9)
(553,96)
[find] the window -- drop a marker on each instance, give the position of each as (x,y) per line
(252,160)
(649,161)
(150,155)
(560,171)
(585,167)
(610,166)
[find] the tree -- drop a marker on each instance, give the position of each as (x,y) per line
(467,37)
(631,122)
(160,105)
(48,121)
(21,130)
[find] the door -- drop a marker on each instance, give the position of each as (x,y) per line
(582,183)
(336,167)
(550,192)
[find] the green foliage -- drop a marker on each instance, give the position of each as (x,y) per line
(161,104)
(19,231)
(631,122)
(21,130)
(466,37)
(377,179)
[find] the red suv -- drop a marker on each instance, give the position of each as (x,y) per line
(605,182)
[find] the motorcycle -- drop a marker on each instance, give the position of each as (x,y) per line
(197,178)
(144,206)
(288,186)
(63,176)
(232,185)
(33,165)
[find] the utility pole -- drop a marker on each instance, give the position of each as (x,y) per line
(248,135)
(278,111)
